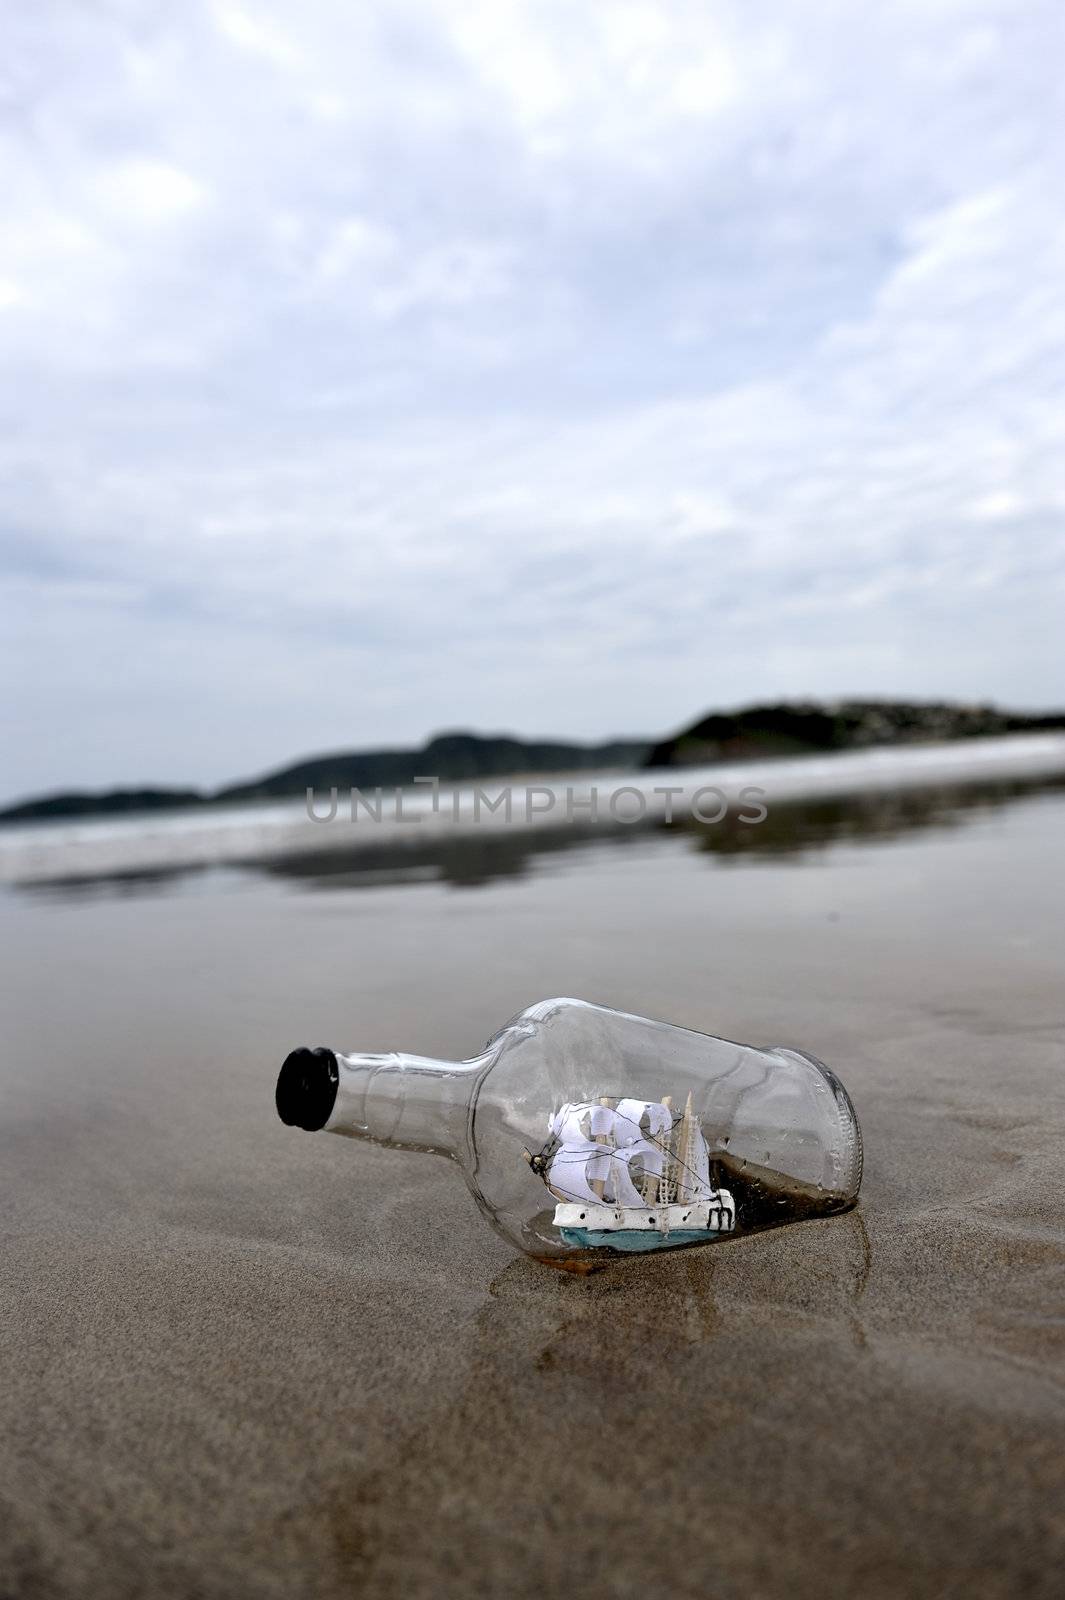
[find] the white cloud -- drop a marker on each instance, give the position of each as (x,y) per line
(255,33)
(149,191)
(356,243)
(11,294)
(567,368)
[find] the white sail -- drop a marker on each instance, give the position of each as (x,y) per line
(651,1157)
(623,1191)
(574,1168)
(642,1119)
(583,1120)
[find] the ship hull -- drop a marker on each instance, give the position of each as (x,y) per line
(633,1228)
(632,1240)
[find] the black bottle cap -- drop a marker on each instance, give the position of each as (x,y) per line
(307,1088)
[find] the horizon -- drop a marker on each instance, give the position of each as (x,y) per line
(398,367)
(209,791)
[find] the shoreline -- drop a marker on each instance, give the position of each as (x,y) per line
(40,852)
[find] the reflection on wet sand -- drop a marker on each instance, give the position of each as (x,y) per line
(807,827)
(683,1363)
(793,830)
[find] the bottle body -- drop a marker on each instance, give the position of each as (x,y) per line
(585,1132)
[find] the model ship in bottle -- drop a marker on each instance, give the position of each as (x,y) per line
(565,1129)
(629,1175)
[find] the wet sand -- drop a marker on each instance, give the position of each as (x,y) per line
(242,1360)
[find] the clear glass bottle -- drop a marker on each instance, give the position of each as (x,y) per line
(585,1132)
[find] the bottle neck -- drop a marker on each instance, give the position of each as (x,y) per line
(411,1102)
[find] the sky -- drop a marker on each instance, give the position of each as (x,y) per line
(571,369)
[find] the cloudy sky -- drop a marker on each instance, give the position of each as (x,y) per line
(370,369)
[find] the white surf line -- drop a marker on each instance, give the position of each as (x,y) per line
(38,852)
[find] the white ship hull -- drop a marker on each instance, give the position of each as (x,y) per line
(716,1214)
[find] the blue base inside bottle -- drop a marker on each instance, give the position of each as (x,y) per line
(634,1239)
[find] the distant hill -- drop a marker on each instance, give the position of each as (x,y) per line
(794,728)
(452,757)
(107,802)
(806,727)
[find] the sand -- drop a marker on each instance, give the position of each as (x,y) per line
(242,1360)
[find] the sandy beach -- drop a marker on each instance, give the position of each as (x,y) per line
(239,1360)
(504,504)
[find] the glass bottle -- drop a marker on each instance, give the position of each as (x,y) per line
(585,1132)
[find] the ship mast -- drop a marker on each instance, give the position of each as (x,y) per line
(665,1182)
(606,1139)
(686,1155)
